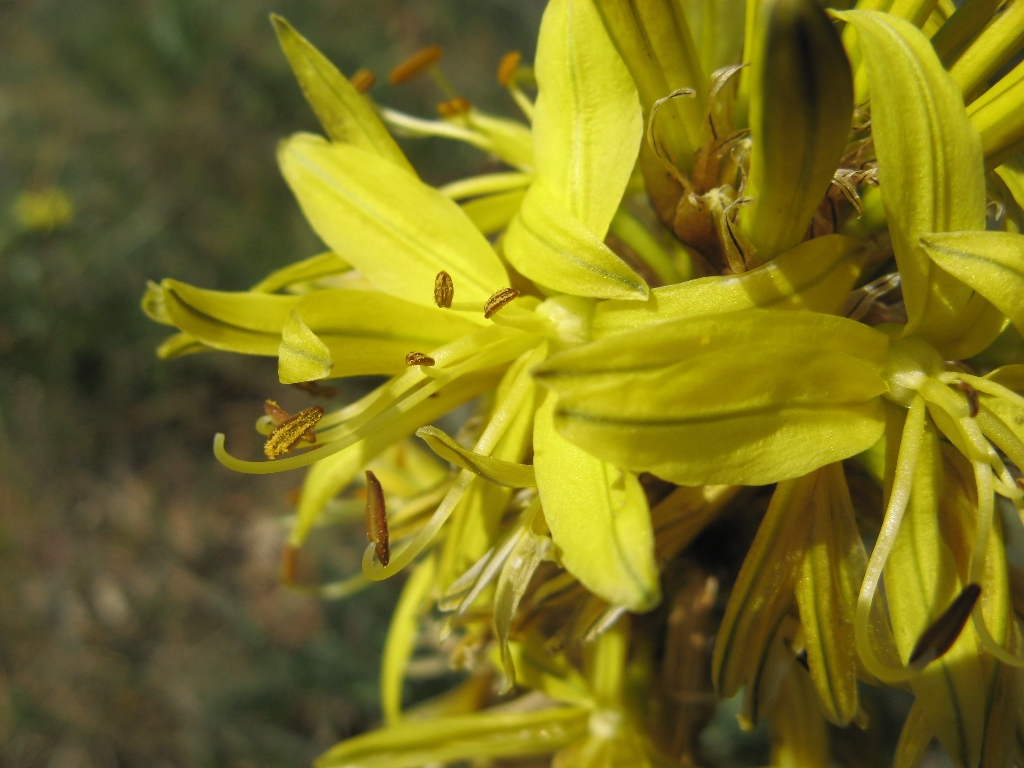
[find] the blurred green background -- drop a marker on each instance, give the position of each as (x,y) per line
(141,621)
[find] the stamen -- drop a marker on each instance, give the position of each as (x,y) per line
(899,496)
(290,431)
(973,401)
(377,519)
(500,420)
(454,107)
(507,67)
(418,358)
(943,632)
(275,413)
(444,290)
(498,300)
(415,65)
(363,80)
(656,145)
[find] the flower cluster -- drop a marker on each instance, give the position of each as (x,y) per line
(752,272)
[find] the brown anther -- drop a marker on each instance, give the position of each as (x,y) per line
(1020,482)
(507,67)
(454,107)
(289,564)
(418,358)
(943,632)
(417,64)
(973,401)
(377,519)
(498,300)
(363,80)
(444,290)
(289,432)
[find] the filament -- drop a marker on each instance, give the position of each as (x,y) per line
(500,419)
(899,497)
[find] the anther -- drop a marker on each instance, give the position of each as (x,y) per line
(415,65)
(454,107)
(943,632)
(973,401)
(291,429)
(498,300)
(377,519)
(418,358)
(507,67)
(444,290)
(363,80)
(289,564)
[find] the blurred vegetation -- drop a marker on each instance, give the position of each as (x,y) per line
(142,620)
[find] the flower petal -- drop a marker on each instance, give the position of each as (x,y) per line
(393,228)
(826,591)
(763,592)
(492,470)
(992,263)
(413,743)
(678,399)
(598,517)
(345,114)
(931,174)
(551,246)
(921,580)
(817,275)
(587,122)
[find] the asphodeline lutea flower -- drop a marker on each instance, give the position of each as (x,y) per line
(831,227)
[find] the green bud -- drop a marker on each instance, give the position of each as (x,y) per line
(801,106)
(999,118)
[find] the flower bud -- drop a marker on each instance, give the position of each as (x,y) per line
(801,105)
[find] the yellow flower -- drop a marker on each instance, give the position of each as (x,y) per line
(831,199)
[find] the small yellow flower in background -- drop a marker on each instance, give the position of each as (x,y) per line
(737,245)
(43,211)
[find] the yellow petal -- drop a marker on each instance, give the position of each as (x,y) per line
(411,744)
(598,517)
(294,276)
(656,45)
(345,114)
(526,556)
(587,122)
(549,245)
(492,213)
(302,356)
(679,399)
(817,275)
(396,230)
(245,322)
(491,469)
(921,580)
(932,178)
(763,591)
(362,332)
(830,575)
(992,263)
